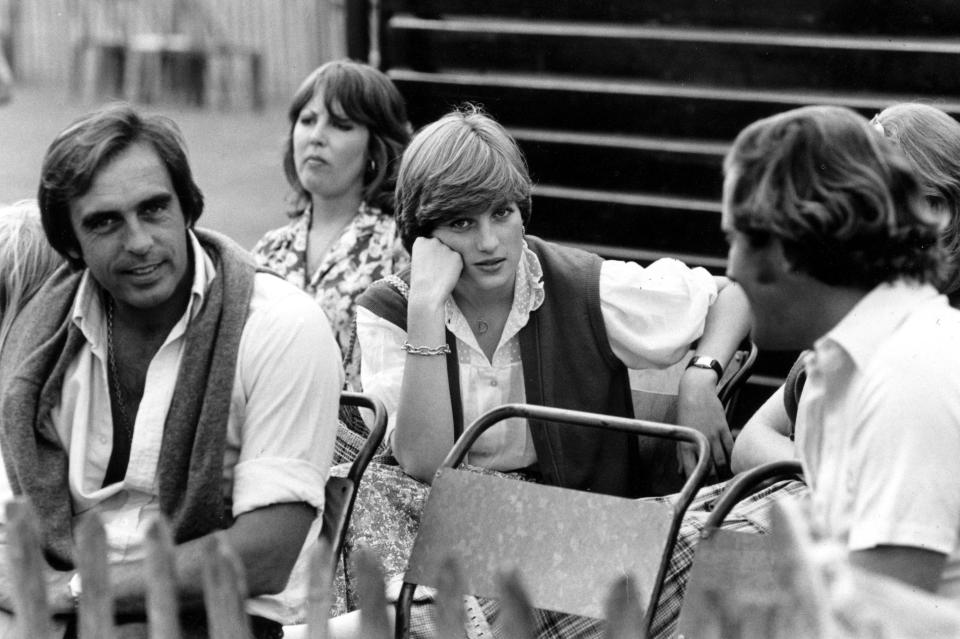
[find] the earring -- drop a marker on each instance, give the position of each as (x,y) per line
(372,167)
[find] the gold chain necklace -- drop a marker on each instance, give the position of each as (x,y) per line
(118,393)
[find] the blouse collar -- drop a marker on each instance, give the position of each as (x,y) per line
(527,297)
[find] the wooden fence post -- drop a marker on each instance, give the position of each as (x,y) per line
(518,621)
(319,594)
(163,605)
(27,566)
(451,617)
(96,600)
(374,623)
(224,591)
(624,615)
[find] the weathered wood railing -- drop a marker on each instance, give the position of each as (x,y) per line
(838,601)
(225,589)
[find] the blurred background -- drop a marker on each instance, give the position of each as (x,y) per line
(624,108)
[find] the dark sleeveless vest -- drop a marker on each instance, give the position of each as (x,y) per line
(567,363)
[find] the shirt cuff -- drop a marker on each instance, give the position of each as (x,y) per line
(867,535)
(276,480)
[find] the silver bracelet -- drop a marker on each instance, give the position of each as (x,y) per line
(443,349)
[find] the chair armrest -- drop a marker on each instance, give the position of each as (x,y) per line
(590,420)
(747,483)
(377,431)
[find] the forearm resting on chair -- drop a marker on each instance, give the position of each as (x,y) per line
(726,325)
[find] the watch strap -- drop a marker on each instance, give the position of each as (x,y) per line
(702,361)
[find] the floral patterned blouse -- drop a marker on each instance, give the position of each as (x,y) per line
(367,249)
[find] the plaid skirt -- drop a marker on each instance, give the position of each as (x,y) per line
(387,515)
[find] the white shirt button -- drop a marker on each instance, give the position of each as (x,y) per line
(493,382)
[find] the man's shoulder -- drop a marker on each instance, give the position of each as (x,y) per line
(932,328)
(273,296)
(284,324)
(922,349)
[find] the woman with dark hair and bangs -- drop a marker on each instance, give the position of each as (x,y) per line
(488,314)
(348,127)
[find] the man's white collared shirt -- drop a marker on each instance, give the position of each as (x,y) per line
(878,425)
(281,426)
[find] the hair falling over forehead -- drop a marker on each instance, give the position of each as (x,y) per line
(463,162)
(77,154)
(844,202)
(369,98)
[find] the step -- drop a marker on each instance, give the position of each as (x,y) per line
(632,221)
(891,17)
(712,57)
(647,164)
(620,106)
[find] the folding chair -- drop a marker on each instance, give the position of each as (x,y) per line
(725,557)
(341,492)
(778,586)
(655,398)
(569,546)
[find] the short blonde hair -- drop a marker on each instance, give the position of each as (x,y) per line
(26,259)
(462,163)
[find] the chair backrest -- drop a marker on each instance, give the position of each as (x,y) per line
(341,492)
(568,546)
(654,395)
(724,558)
(182,17)
(784,585)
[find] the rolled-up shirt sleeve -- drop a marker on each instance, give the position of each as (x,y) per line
(653,314)
(382,361)
(290,374)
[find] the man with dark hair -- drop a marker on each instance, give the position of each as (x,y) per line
(159,372)
(836,249)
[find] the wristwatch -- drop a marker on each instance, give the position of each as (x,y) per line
(702,361)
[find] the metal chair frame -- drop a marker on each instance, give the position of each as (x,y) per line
(746,484)
(659,471)
(729,388)
(678,504)
(724,556)
(340,493)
